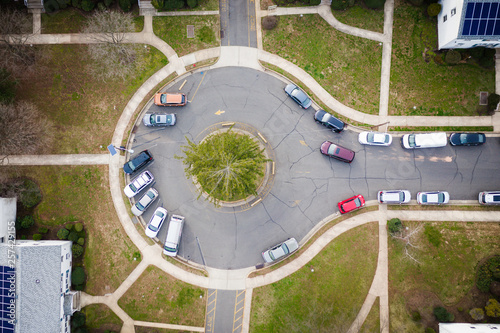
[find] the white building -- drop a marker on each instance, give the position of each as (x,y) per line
(468,328)
(7,217)
(469,23)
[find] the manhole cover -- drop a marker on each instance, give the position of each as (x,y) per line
(222,34)
(483,98)
(190,31)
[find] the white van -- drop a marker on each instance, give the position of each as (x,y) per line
(424,140)
(173,235)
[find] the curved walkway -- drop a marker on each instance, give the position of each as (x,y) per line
(240,56)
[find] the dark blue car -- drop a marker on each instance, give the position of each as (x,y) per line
(138,162)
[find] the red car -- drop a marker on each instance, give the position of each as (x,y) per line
(351,204)
(338,152)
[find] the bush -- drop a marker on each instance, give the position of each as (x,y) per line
(77,250)
(493,100)
(394,225)
(442,315)
(81,241)
(415,316)
(78,227)
(63,3)
(417,3)
(108,3)
(69,226)
(76,3)
(375,4)
(43,230)
(488,58)
(51,6)
(137,256)
(37,237)
(78,276)
(433,235)
(452,57)
(125,5)
(78,318)
(429,330)
(192,3)
(27,222)
(30,194)
(158,4)
(269,22)
(341,4)
(81,330)
(63,233)
(73,236)
(477,314)
(87,5)
(492,308)
(7,86)
(434,9)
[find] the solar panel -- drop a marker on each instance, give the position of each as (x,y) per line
(481,19)
(7,299)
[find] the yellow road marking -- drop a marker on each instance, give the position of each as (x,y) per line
(220,112)
(302,142)
(199,84)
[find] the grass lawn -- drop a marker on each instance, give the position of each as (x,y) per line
(173,30)
(81,193)
(445,275)
(433,89)
(361,17)
(158,297)
(101,318)
(346,66)
(372,322)
(84,110)
(326,300)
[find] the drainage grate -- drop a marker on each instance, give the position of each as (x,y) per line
(483,98)
(190,31)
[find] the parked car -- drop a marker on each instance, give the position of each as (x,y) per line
(433,198)
(351,204)
(156,222)
(138,184)
(280,250)
(467,139)
(424,140)
(375,139)
(394,196)
(137,163)
(338,152)
(489,198)
(170,99)
(144,202)
(159,119)
(298,96)
(174,234)
(324,118)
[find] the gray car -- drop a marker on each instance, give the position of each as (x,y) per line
(144,202)
(280,250)
(298,96)
(159,119)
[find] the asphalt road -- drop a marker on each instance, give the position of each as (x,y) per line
(238,23)
(307,185)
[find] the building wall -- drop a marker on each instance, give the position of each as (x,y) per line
(449,23)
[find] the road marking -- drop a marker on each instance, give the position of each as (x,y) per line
(199,84)
(302,142)
(183,83)
(210,316)
(220,112)
(239,308)
(262,138)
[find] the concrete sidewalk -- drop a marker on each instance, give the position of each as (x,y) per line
(63,159)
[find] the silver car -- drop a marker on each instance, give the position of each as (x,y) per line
(489,198)
(375,139)
(144,202)
(159,119)
(394,196)
(280,250)
(138,184)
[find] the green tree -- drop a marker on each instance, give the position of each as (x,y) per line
(394,225)
(27,222)
(492,308)
(226,165)
(78,276)
(77,250)
(63,233)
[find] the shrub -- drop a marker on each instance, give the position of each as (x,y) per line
(27,222)
(125,5)
(78,227)
(452,57)
(100,6)
(76,3)
(442,315)
(341,4)
(77,250)
(30,194)
(87,5)
(69,226)
(494,267)
(434,9)
(7,86)
(78,276)
(394,225)
(23,237)
(493,100)
(417,3)
(415,316)
(429,330)
(488,58)
(158,4)
(78,318)
(63,233)
(315,2)
(37,237)
(192,3)
(137,256)
(81,241)
(375,4)
(43,230)
(108,3)
(81,330)
(433,235)
(51,6)
(269,22)
(73,236)
(477,314)
(63,3)
(173,4)
(492,308)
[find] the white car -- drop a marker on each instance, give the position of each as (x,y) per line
(156,222)
(280,250)
(489,198)
(159,119)
(433,198)
(144,202)
(394,196)
(375,139)
(138,184)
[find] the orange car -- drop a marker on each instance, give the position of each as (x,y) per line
(168,99)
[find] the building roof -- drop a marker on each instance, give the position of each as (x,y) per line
(7,214)
(480,20)
(468,328)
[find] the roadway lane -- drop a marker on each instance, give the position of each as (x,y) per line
(238,25)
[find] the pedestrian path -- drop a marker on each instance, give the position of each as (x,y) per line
(62,159)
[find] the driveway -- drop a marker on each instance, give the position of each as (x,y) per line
(307,185)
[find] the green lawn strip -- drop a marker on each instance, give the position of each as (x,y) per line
(84,110)
(69,20)
(442,129)
(158,297)
(420,86)
(445,207)
(347,67)
(144,329)
(326,299)
(173,30)
(372,322)
(448,253)
(99,316)
(81,193)
(361,17)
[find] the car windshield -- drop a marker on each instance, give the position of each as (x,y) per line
(152,119)
(424,197)
(163,98)
(411,140)
(139,206)
(150,194)
(153,227)
(401,196)
(333,150)
(133,188)
(357,202)
(441,197)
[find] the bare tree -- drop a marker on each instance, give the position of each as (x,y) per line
(408,235)
(23,130)
(113,56)
(15,31)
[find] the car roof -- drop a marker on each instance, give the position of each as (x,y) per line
(341,152)
(351,204)
(173,98)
